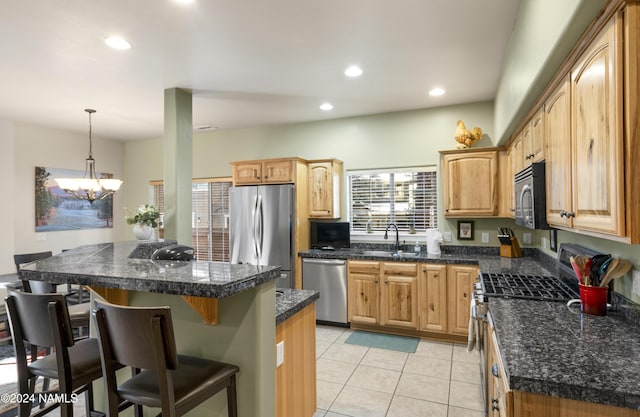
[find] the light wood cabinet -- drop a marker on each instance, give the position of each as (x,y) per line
(325,178)
(596,133)
(268,171)
(537,140)
(363,295)
(399,295)
(383,293)
(432,297)
(558,160)
(460,280)
(516,154)
(470,182)
(500,396)
(505,195)
(296,376)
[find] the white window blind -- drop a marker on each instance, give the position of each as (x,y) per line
(209,217)
(404,196)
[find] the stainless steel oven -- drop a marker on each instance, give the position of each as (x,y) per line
(530,197)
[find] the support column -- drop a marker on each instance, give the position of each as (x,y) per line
(178,157)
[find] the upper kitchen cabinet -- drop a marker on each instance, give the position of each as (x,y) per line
(267,171)
(558,161)
(325,178)
(535,147)
(597,135)
(516,152)
(470,182)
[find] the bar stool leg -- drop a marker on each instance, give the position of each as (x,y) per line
(232,403)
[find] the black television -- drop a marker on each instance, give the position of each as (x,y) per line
(329,235)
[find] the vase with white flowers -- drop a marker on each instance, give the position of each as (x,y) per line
(144,221)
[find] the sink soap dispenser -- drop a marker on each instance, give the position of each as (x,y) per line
(416,248)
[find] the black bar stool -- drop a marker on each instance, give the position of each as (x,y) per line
(142,338)
(42,320)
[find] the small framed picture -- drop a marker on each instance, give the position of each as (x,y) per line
(465,230)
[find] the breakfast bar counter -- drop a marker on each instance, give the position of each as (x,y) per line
(243,297)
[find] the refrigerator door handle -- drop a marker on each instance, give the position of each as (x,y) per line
(254,238)
(259,228)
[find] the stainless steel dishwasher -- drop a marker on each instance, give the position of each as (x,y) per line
(329,276)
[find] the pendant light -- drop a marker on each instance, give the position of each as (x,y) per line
(89,187)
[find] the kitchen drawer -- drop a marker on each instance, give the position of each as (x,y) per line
(400,268)
(369,267)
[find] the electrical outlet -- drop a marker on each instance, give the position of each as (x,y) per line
(447,236)
(485,237)
(279,353)
(545,243)
(41,236)
(526,238)
(636,283)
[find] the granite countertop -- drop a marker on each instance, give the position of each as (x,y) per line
(549,348)
(487,259)
(110,265)
(290,301)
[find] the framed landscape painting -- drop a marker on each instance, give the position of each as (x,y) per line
(58,210)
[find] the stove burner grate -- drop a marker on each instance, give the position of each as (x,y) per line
(532,287)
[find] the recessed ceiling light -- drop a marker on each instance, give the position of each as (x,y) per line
(116,42)
(326,106)
(183,1)
(436,92)
(353,71)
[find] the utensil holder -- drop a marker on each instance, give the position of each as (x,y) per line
(593,300)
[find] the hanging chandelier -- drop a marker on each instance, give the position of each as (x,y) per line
(89,187)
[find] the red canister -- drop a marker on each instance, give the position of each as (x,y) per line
(593,300)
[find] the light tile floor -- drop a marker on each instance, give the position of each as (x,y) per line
(439,380)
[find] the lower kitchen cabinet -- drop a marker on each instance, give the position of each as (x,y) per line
(363,294)
(383,293)
(460,280)
(399,295)
(296,376)
(432,296)
(411,298)
(499,396)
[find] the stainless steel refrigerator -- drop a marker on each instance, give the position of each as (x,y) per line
(262,219)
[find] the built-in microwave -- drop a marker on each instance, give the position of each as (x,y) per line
(530,196)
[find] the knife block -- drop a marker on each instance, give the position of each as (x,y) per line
(510,249)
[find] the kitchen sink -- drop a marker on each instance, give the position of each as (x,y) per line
(389,253)
(377,253)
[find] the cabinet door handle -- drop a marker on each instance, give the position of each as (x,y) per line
(386,282)
(563,213)
(571,214)
(375,282)
(464,294)
(494,370)
(494,404)
(447,210)
(258,177)
(436,275)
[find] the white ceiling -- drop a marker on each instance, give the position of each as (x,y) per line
(248,62)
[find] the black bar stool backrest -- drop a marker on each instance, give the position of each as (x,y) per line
(30,318)
(40,287)
(148,332)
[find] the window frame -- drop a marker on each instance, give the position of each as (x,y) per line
(405,232)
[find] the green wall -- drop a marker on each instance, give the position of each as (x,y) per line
(399,139)
(544,34)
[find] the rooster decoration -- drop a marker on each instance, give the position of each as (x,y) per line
(466,138)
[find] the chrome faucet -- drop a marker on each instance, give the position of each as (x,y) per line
(386,235)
